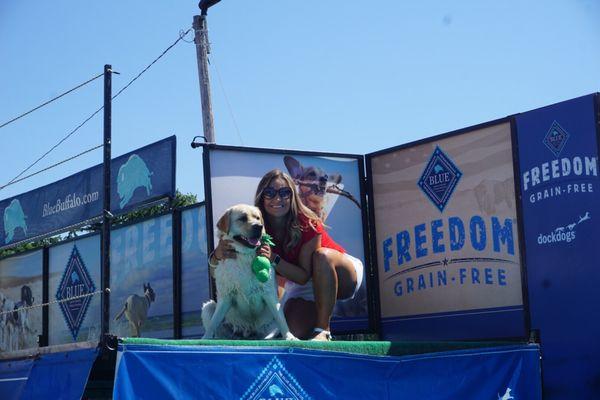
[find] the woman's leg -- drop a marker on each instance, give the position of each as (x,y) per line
(301,316)
(334,277)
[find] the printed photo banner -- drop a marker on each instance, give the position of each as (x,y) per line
(141,279)
(234,177)
(558,157)
(141,176)
(74,271)
(447,245)
(21,287)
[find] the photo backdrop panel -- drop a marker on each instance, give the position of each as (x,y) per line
(447,238)
(20,286)
(558,155)
(195,280)
(142,255)
(75,271)
(235,176)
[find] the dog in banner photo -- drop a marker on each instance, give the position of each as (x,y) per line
(136,309)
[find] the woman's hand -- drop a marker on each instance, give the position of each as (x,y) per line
(265,250)
(224,250)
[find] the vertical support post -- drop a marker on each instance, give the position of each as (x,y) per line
(106,220)
(177,293)
(43,338)
(202,51)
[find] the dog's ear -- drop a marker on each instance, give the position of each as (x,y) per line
(223,223)
(294,167)
(335,178)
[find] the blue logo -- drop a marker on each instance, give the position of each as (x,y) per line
(439,179)
(275,382)
(132,175)
(556,138)
(14,218)
(76,281)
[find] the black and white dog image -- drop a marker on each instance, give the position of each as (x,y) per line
(314,183)
(136,309)
(246,308)
(15,327)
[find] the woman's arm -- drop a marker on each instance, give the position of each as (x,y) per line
(299,274)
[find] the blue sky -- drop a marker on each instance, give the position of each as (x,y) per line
(340,76)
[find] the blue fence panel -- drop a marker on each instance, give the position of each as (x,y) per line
(146,371)
(558,155)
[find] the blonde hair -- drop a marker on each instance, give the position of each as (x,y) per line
(292,223)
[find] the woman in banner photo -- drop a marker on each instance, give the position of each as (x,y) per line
(317,270)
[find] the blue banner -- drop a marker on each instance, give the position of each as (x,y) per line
(558,157)
(13,378)
(61,375)
(138,177)
(249,373)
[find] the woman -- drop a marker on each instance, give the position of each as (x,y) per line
(317,270)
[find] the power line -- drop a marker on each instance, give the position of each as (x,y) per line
(51,100)
(181,36)
(237,129)
(13,180)
(52,166)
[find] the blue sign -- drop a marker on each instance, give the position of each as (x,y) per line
(277,373)
(76,282)
(439,179)
(560,187)
(138,177)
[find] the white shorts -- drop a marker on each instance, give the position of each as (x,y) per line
(306,292)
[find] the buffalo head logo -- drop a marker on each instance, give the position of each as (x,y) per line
(132,175)
(14,218)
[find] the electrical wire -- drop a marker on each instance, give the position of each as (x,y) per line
(51,100)
(237,129)
(54,165)
(13,180)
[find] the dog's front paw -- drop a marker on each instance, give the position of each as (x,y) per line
(290,336)
(208,336)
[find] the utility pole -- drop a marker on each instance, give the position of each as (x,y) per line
(106,220)
(202,51)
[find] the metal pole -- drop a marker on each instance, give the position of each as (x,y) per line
(106,220)
(202,51)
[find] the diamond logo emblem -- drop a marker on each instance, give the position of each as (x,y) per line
(439,179)
(556,138)
(76,281)
(275,383)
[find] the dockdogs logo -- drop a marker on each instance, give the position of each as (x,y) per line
(565,233)
(439,179)
(275,383)
(75,282)
(556,138)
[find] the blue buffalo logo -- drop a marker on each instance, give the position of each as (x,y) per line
(14,218)
(132,175)
(274,382)
(75,284)
(556,138)
(439,179)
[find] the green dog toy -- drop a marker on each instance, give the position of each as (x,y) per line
(261,264)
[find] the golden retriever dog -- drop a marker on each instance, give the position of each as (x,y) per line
(245,308)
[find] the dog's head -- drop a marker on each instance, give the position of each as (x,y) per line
(149,292)
(244,225)
(312,182)
(27,295)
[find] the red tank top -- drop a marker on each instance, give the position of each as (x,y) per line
(308,233)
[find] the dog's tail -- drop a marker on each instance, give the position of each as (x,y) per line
(120,314)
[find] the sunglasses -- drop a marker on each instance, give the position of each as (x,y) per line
(284,193)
